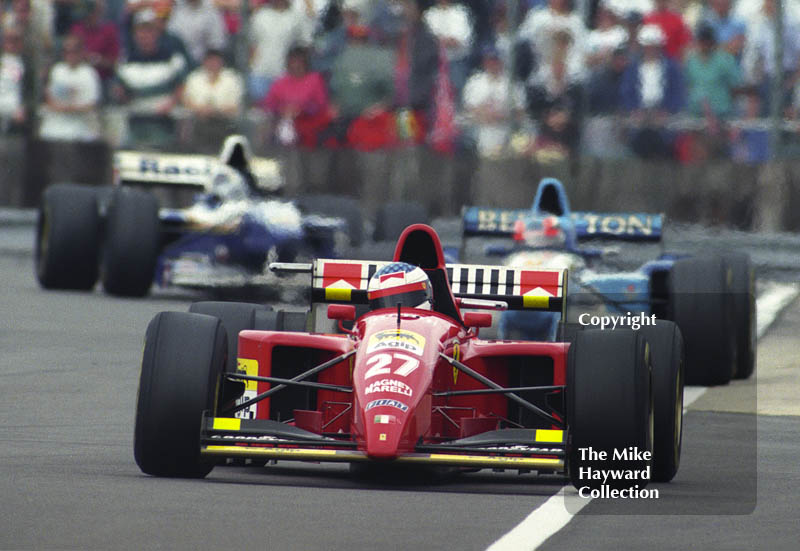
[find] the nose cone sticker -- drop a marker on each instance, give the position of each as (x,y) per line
(389,385)
(396,339)
(384,402)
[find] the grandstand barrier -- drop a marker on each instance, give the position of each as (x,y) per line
(719,192)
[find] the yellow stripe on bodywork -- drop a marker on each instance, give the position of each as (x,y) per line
(227,423)
(307,454)
(484,461)
(289,454)
(535,301)
(337,293)
(553,436)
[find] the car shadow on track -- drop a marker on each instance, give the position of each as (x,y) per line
(402,480)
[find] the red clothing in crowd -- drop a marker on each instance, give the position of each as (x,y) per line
(678,34)
(102,39)
(305,96)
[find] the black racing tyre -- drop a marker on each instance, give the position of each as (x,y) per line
(285,320)
(67,246)
(293,321)
(393,217)
(743,296)
(346,208)
(701,306)
(184,355)
(567,331)
(132,244)
(666,357)
(609,406)
(236,317)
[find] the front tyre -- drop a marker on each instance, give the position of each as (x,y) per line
(68,238)
(609,407)
(184,356)
(666,354)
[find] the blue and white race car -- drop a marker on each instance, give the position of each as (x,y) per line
(235,226)
(711,298)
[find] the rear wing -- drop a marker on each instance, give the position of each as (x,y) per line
(345,281)
(500,222)
(173,169)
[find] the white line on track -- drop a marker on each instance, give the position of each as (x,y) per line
(771,303)
(553,514)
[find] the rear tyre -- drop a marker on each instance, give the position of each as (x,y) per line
(701,306)
(68,238)
(133,242)
(666,355)
(393,217)
(236,317)
(743,296)
(184,355)
(609,405)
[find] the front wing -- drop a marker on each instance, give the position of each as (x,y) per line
(529,449)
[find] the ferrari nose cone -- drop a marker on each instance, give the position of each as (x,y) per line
(384,426)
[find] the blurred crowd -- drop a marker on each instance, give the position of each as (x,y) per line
(669,79)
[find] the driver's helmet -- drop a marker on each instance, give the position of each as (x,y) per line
(400,283)
(236,152)
(236,155)
(546,233)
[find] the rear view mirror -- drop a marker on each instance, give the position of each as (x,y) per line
(477,319)
(342,312)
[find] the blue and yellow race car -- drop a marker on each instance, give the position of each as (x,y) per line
(710,297)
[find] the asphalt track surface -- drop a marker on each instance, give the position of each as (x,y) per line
(68,376)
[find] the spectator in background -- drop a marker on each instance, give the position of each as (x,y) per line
(36,13)
(729,30)
(491,101)
(652,82)
(298,101)
(537,27)
(149,79)
(330,36)
(554,97)
(213,95)
(274,27)
(415,73)
(100,38)
(758,56)
(712,76)
(65,14)
(651,90)
(451,24)
(72,96)
(362,90)
(677,33)
(502,38)
(607,36)
(632,23)
(605,84)
(161,8)
(199,25)
(231,12)
(213,90)
(12,110)
(750,144)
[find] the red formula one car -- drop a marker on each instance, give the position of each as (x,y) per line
(410,382)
